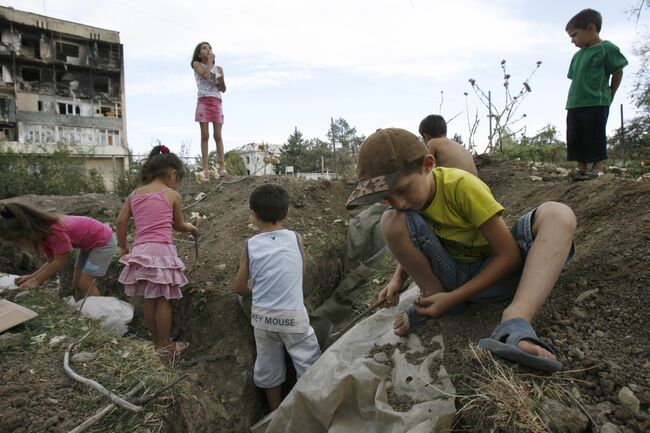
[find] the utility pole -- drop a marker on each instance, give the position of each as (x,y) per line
(623,136)
(490,118)
(333,142)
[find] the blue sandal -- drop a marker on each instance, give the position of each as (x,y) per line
(503,343)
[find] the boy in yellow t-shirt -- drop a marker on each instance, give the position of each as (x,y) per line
(446,231)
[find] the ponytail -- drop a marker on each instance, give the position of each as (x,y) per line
(159,162)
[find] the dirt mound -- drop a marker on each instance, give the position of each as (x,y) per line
(598,315)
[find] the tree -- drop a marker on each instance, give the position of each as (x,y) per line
(234,163)
(342,135)
(543,146)
(292,151)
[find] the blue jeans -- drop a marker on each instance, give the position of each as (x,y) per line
(453,274)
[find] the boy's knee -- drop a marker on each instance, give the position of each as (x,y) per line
(557,214)
(393,224)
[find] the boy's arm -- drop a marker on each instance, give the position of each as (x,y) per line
(506,258)
(178,223)
(241,280)
(391,291)
(617,77)
(301,246)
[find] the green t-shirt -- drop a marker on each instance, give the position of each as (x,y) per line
(461,205)
(590,71)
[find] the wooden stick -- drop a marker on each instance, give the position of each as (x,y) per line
(97,386)
(105,411)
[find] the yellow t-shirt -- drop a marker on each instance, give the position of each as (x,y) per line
(461,205)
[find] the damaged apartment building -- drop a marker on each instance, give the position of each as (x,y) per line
(63,82)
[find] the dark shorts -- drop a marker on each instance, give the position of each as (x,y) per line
(96,262)
(586,134)
(453,274)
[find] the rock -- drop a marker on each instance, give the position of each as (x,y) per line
(577,353)
(380,357)
(583,283)
(627,398)
(578,313)
(221,267)
(56,340)
(561,170)
(586,294)
(535,178)
(561,418)
(80,357)
(608,427)
(617,170)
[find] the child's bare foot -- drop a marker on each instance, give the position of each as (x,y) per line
(534,349)
(401,324)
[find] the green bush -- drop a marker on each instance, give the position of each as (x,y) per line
(57,173)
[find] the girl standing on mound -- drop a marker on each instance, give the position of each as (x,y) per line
(56,236)
(153,269)
(210,83)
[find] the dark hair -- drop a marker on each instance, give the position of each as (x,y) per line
(270,202)
(414,166)
(433,125)
(19,221)
(585,17)
(158,163)
(196,57)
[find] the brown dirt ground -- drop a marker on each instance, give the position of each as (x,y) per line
(603,339)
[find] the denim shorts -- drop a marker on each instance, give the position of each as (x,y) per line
(453,274)
(95,262)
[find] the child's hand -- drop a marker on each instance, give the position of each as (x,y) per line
(210,59)
(32,283)
(19,280)
(191,229)
(390,294)
(434,305)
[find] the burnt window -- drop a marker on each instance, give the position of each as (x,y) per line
(65,50)
(101,84)
(40,105)
(30,74)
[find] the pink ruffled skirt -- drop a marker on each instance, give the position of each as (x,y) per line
(153,270)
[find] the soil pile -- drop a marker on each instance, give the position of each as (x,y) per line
(598,316)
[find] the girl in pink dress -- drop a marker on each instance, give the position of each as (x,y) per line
(152,268)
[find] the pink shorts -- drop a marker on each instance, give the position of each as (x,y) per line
(208,109)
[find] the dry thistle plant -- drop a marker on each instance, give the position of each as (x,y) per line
(504,400)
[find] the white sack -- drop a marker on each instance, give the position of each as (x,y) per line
(114,314)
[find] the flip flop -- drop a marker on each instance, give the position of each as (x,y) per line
(178,347)
(503,343)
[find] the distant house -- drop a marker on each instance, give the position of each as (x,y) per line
(259,159)
(63,82)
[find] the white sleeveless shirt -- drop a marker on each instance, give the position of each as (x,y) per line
(208,87)
(275,265)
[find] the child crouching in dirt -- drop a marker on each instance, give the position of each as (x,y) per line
(274,261)
(446,231)
(56,236)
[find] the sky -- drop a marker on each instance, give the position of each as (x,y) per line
(376,63)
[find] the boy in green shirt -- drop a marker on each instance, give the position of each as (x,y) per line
(591,92)
(446,231)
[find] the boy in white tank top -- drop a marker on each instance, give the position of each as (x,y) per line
(271,269)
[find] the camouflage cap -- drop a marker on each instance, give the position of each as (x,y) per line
(382,154)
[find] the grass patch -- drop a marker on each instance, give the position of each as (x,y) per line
(34,367)
(502,400)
